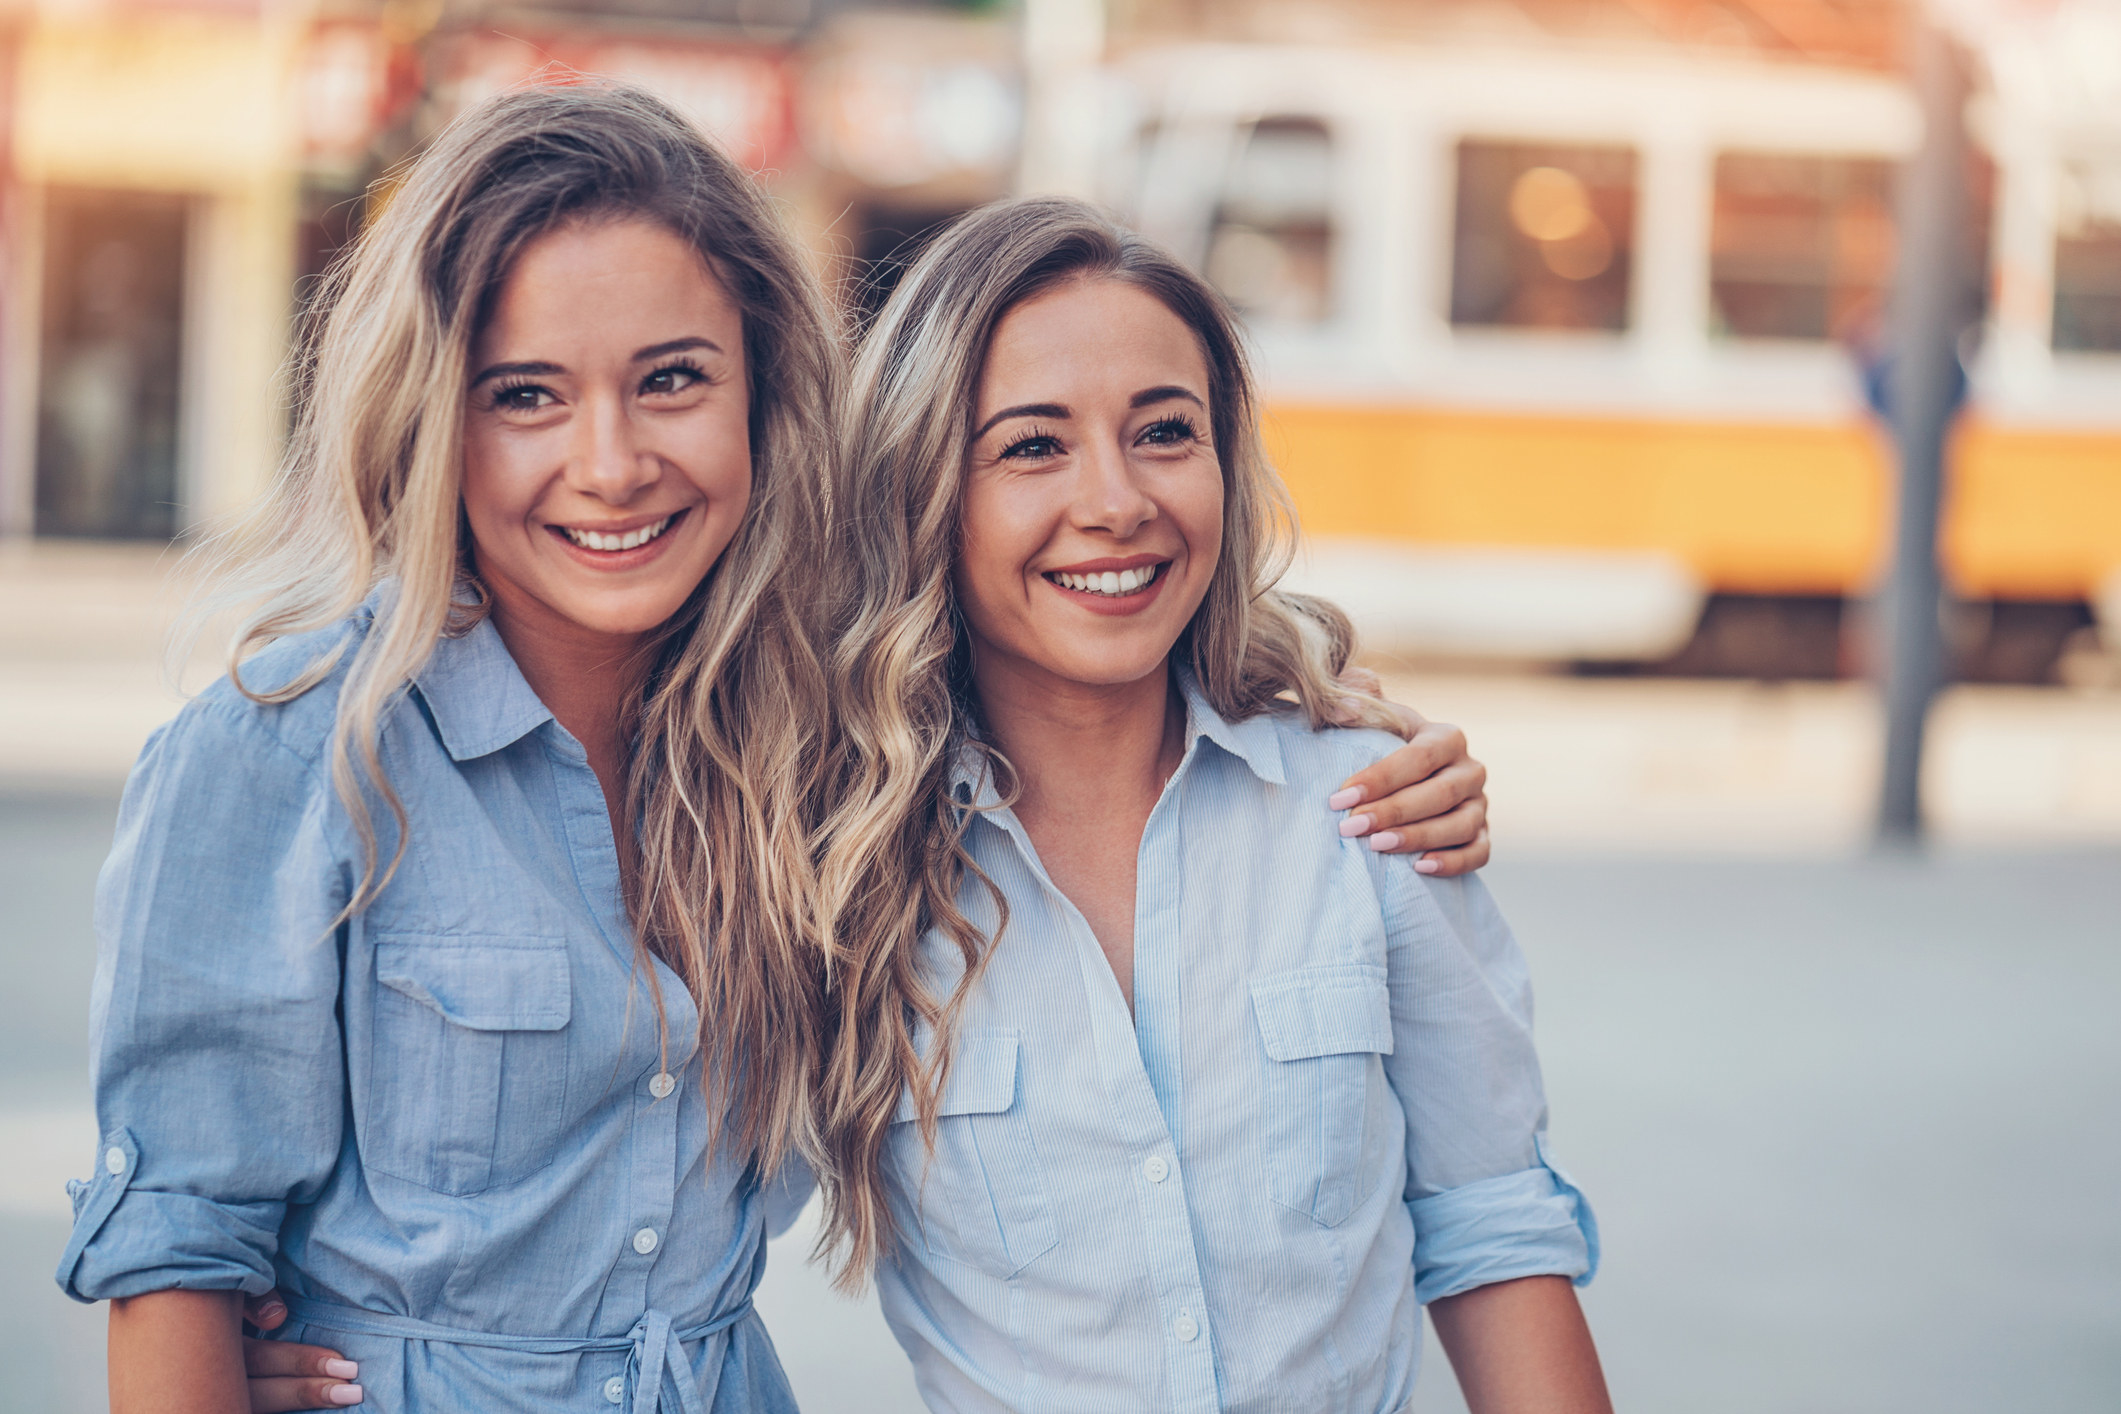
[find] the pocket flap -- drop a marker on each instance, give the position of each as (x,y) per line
(1323,1011)
(982,1077)
(483,984)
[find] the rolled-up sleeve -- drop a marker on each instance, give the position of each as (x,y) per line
(218,1068)
(1487,1201)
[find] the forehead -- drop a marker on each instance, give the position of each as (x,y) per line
(1089,336)
(613,273)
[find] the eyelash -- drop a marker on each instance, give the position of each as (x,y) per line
(678,365)
(1178,421)
(1036,434)
(504,391)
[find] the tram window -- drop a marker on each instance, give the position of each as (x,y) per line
(1544,236)
(2088,260)
(1271,246)
(1801,247)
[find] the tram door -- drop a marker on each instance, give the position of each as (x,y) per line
(108,387)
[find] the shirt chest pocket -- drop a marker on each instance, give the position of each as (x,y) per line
(981,1197)
(467,1069)
(1327,1110)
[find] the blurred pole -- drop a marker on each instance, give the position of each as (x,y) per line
(18,346)
(1064,43)
(1927,313)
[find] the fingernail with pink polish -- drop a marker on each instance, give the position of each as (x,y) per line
(1345,799)
(1386,841)
(344,1394)
(271,1311)
(342,1369)
(1427,866)
(1354,825)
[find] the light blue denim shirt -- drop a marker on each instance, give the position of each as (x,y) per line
(445,1129)
(1324,1111)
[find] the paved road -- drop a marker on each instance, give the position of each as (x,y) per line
(1851,1129)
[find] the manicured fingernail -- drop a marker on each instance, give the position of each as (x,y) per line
(1427,866)
(1345,799)
(1354,825)
(344,1394)
(342,1369)
(1389,840)
(271,1311)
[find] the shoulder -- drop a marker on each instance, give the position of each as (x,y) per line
(226,718)
(1320,758)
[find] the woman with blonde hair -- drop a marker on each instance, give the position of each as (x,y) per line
(436,935)
(1147,1091)
(459,973)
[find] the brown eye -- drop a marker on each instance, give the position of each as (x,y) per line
(522,397)
(674,379)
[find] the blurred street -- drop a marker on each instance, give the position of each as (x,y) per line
(1846,1123)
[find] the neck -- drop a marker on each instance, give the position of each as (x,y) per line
(583,677)
(1108,747)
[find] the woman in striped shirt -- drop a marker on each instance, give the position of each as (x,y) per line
(1148,1092)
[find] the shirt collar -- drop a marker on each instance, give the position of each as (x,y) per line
(1256,742)
(477,694)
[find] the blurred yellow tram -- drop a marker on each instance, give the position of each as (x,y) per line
(1557,340)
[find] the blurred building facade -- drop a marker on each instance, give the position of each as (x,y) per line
(1565,305)
(179,172)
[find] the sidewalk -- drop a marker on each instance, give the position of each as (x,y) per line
(1612,765)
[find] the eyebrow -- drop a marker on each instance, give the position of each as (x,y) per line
(1164,395)
(517,370)
(1053,410)
(1144,398)
(547,370)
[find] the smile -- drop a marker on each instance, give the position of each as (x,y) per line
(1111,584)
(609,541)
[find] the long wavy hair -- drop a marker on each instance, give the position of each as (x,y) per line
(724,765)
(892,854)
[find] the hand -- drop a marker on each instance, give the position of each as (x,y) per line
(1428,799)
(284,1376)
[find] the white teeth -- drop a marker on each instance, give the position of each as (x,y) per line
(1110,582)
(627,540)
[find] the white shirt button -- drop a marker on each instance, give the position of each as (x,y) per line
(114,1159)
(615,1388)
(1155,1169)
(1185,1327)
(662,1085)
(645,1240)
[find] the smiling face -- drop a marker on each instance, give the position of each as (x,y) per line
(607,450)
(1093,503)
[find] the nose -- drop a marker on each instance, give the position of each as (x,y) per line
(606,459)
(1109,493)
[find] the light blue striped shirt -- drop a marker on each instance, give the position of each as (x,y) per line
(1325,1110)
(444,1128)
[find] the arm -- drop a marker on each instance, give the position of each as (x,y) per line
(1521,1347)
(219,1089)
(1427,799)
(1498,1230)
(177,1352)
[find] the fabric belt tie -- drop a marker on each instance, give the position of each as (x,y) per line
(651,1341)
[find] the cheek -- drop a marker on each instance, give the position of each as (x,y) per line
(1199,512)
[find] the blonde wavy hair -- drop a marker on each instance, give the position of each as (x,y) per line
(724,768)
(892,854)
